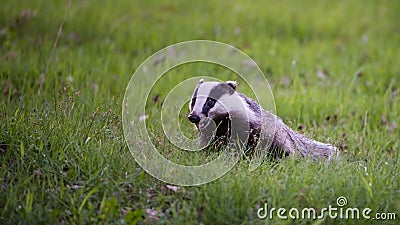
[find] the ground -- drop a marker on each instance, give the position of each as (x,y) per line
(333,67)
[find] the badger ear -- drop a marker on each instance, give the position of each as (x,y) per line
(231,84)
(201,81)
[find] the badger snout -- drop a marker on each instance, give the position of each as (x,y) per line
(194,118)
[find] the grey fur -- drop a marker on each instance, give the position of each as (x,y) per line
(251,104)
(292,143)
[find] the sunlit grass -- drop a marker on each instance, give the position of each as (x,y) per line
(333,67)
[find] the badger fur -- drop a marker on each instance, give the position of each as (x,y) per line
(231,110)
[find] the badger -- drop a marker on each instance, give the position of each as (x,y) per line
(218,111)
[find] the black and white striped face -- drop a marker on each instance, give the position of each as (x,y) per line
(213,100)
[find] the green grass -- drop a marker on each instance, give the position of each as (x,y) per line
(333,67)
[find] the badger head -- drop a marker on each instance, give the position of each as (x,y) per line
(212,100)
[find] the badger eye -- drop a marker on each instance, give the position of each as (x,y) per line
(209,103)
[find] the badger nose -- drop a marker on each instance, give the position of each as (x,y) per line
(194,118)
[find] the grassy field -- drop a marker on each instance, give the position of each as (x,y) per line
(334,68)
